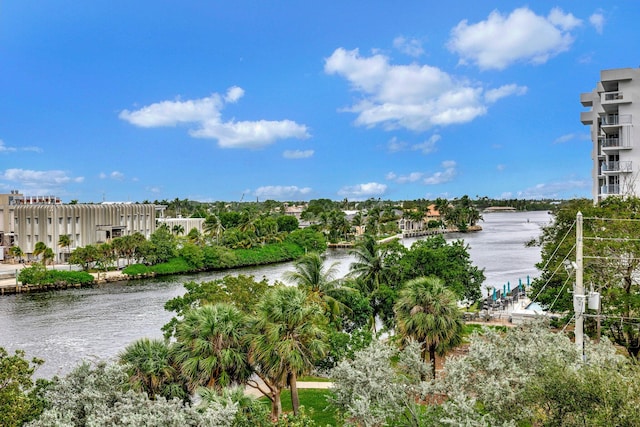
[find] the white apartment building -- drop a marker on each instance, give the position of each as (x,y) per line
(615,110)
(25,221)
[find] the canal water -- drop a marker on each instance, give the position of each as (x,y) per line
(65,327)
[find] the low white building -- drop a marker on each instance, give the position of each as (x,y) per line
(25,221)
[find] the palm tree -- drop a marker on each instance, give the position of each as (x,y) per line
(318,282)
(151,369)
(39,249)
(48,256)
(64,242)
(213,227)
(288,337)
(426,311)
(370,269)
(178,229)
(210,347)
(16,252)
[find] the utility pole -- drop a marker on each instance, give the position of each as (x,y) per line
(578,292)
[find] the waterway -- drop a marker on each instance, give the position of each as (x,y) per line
(66,327)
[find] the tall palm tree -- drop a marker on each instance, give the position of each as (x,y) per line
(210,347)
(39,249)
(151,369)
(212,227)
(178,229)
(427,312)
(288,337)
(318,282)
(369,269)
(64,242)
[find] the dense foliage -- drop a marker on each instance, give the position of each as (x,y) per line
(611,264)
(20,396)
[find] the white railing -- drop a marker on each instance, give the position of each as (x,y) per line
(614,142)
(610,189)
(616,166)
(611,96)
(614,120)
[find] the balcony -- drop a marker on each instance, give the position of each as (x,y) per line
(616,167)
(616,97)
(613,189)
(586,117)
(613,143)
(615,120)
(586,99)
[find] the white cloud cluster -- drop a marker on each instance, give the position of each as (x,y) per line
(4,148)
(502,40)
(297,154)
(205,114)
(445,175)
(8,149)
(279,192)
(363,191)
(597,20)
(115,175)
(415,97)
(425,147)
(38,182)
(411,47)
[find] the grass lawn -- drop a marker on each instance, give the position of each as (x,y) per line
(315,405)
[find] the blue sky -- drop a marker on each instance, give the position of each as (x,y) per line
(296,100)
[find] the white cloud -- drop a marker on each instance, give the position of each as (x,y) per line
(233,94)
(411,47)
(8,149)
(39,182)
(394,145)
(415,97)
(115,175)
(118,176)
(501,167)
(428,146)
(279,192)
(597,20)
(443,176)
(4,148)
(297,154)
(363,191)
(554,190)
(403,179)
(493,95)
(205,114)
(565,138)
(522,36)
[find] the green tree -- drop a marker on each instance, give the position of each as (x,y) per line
(177,229)
(85,256)
(20,399)
(287,223)
(150,368)
(242,291)
(319,282)
(611,264)
(287,338)
(210,347)
(370,270)
(39,249)
(426,311)
(64,242)
(16,252)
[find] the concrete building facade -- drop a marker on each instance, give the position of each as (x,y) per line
(25,221)
(613,114)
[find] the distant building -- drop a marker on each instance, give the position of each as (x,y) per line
(187,224)
(25,221)
(614,112)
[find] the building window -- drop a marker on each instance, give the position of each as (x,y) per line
(35,220)
(77,220)
(28,220)
(49,221)
(49,238)
(36,238)
(29,238)
(68,220)
(60,221)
